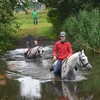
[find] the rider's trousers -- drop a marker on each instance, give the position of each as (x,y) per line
(57,68)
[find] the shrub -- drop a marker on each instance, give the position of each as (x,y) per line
(84,28)
(7,26)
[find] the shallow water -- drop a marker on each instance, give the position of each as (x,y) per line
(33,80)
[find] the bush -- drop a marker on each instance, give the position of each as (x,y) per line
(6,37)
(84,28)
(7,26)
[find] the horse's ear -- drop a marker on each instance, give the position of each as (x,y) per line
(82,51)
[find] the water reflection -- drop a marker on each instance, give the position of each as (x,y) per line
(2,73)
(3,80)
(59,91)
(70,91)
(30,89)
(7,85)
(9,89)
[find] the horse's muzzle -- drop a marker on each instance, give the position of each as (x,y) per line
(89,67)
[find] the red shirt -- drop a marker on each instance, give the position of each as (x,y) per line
(62,50)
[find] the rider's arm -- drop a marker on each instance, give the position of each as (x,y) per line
(55,52)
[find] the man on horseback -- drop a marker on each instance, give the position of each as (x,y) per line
(62,50)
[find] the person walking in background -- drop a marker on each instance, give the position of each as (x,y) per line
(35,16)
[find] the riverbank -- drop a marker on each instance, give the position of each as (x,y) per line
(22,43)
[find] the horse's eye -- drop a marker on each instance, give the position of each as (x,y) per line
(83,59)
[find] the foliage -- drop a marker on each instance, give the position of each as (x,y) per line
(17,2)
(6,38)
(53,17)
(84,28)
(6,14)
(7,26)
(62,9)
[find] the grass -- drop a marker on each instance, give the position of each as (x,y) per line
(43,29)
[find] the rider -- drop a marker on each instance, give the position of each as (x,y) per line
(30,44)
(62,50)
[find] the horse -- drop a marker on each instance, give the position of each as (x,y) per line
(35,52)
(68,66)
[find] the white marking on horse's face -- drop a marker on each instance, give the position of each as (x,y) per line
(84,59)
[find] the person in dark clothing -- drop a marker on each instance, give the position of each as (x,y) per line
(30,44)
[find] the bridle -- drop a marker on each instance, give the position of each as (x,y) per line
(84,65)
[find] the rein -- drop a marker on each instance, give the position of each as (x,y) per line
(64,61)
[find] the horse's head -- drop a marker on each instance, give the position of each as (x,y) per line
(35,52)
(83,60)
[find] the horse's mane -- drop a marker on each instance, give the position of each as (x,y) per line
(74,54)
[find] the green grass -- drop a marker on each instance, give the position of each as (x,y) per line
(43,29)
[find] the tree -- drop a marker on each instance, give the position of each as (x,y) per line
(7,25)
(62,9)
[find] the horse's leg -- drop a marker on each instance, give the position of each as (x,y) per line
(67,73)
(64,71)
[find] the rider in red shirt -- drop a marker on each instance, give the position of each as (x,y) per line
(62,50)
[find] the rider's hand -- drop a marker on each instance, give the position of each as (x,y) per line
(54,58)
(68,56)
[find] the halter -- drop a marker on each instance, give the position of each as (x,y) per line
(84,65)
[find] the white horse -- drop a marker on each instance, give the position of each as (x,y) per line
(68,66)
(34,52)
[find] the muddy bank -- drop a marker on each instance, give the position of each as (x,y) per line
(22,43)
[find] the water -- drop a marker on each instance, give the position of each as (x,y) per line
(33,80)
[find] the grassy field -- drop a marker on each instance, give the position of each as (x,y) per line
(43,29)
